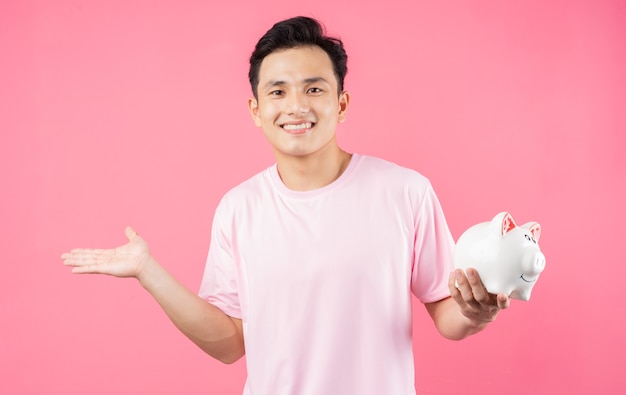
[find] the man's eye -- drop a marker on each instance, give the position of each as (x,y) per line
(276,93)
(314,90)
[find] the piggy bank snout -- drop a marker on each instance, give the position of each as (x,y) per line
(534,262)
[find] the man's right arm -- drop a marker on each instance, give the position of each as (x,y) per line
(207,326)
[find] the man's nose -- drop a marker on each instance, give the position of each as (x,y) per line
(298,103)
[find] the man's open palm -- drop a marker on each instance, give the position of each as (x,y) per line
(124,261)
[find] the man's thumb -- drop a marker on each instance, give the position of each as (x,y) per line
(131,234)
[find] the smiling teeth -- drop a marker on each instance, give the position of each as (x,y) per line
(301,126)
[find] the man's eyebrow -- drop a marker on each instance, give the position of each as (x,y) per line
(274,83)
(312,80)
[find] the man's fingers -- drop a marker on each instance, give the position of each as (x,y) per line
(82,257)
(460,289)
(85,254)
(79,252)
(465,288)
(503,301)
(454,291)
(88,269)
(478,289)
(483,296)
(476,303)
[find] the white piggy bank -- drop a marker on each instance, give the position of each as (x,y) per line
(506,256)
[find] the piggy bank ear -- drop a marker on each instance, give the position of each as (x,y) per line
(503,223)
(534,228)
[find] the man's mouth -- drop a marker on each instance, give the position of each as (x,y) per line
(299,127)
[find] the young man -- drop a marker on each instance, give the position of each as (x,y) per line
(313,261)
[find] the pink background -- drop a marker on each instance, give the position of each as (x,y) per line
(116,112)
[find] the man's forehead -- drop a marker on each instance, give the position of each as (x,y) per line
(300,65)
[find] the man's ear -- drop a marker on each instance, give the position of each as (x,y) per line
(344,102)
(253,107)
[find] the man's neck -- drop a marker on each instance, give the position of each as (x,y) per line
(314,171)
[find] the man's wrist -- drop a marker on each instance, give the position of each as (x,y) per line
(147,272)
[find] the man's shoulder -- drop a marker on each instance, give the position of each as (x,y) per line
(250,188)
(391,171)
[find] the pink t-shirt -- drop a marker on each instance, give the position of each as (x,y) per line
(323,279)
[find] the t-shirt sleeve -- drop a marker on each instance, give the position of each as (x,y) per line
(219,282)
(433,251)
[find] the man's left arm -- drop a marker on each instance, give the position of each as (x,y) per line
(469,309)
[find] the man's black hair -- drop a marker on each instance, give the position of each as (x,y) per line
(296,32)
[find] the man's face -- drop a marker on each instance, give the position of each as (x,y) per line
(298,106)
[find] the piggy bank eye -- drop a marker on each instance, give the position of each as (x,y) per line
(530,239)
